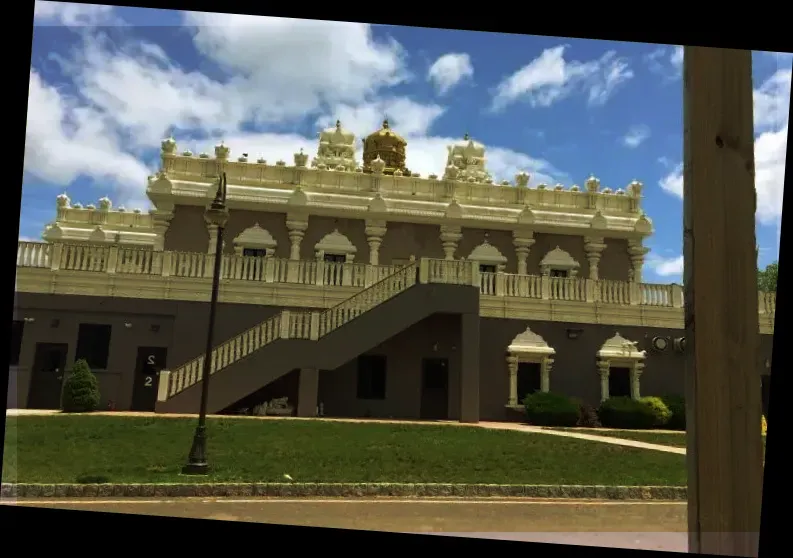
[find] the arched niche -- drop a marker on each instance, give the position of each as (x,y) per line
(619,352)
(255,241)
(335,247)
(559,263)
(488,257)
(528,347)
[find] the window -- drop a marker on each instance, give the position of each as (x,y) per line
(93,344)
(254,252)
(335,258)
(17,328)
(485,268)
(619,382)
(528,379)
(558,273)
(371,376)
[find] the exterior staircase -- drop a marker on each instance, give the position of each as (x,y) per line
(323,339)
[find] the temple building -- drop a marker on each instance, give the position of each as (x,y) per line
(351,289)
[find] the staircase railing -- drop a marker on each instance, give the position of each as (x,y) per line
(289,324)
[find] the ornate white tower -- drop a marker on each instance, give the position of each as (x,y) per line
(336,149)
(468,157)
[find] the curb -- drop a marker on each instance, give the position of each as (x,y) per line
(343,490)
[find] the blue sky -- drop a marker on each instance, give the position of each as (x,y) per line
(107,84)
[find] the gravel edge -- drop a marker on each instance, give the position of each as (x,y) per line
(342,490)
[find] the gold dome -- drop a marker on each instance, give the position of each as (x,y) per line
(389,146)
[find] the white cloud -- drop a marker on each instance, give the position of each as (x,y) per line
(449,70)
(636,136)
(72,15)
(666,61)
(550,78)
(666,267)
(772,99)
(65,140)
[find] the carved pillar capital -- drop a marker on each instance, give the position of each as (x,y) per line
(512,366)
(593,248)
(296,228)
(450,238)
(375,231)
(637,251)
(523,241)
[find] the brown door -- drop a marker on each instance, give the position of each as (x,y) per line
(619,382)
(147,375)
(434,389)
(46,381)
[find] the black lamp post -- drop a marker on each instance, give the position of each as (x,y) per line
(217,214)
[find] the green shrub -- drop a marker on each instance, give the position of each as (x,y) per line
(550,409)
(661,412)
(677,406)
(624,412)
(81,389)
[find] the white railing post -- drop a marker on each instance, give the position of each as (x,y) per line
(476,276)
(634,293)
(164,383)
(166,264)
(57,255)
(286,317)
(677,296)
(424,270)
(347,269)
(545,287)
(314,326)
(112,259)
(320,279)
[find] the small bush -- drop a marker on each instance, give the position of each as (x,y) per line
(550,409)
(661,412)
(92,479)
(81,389)
(624,412)
(677,406)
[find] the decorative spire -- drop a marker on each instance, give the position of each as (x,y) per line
(466,137)
(338,124)
(385,124)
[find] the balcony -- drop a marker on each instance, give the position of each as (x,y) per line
(138,273)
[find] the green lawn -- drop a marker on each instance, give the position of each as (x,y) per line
(677,439)
(132,449)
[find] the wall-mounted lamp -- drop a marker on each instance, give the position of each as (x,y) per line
(574,332)
(155,328)
(29,320)
(55,323)
(127,325)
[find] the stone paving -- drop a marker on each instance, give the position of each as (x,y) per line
(484,424)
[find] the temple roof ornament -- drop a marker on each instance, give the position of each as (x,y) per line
(620,348)
(387,145)
(528,342)
(468,158)
(486,253)
(336,149)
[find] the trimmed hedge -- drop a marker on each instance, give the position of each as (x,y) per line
(551,409)
(677,406)
(81,389)
(624,412)
(661,412)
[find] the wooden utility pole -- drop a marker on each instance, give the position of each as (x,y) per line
(724,451)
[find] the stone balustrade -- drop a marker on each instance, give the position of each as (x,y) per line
(115,260)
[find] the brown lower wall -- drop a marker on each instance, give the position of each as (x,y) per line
(182,327)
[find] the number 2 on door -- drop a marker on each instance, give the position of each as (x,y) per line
(147,382)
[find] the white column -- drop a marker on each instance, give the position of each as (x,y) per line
(545,378)
(593,247)
(637,251)
(636,374)
(213,236)
(604,369)
(523,241)
(450,238)
(512,366)
(297,230)
(375,231)
(161,220)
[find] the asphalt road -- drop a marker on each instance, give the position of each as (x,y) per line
(640,525)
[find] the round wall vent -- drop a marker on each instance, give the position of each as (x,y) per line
(660,343)
(680,344)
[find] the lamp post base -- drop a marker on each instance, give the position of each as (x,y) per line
(196,461)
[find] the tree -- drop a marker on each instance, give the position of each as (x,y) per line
(767,278)
(80,390)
